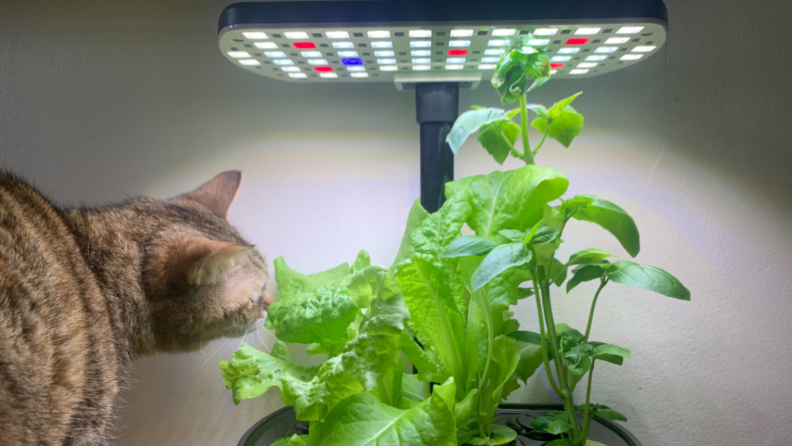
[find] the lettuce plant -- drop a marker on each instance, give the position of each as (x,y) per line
(422,352)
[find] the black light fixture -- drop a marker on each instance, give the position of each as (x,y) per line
(435,48)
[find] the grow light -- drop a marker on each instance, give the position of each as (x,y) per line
(575,28)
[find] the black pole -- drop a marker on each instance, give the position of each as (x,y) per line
(437,107)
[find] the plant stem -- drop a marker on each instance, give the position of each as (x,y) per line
(587,415)
(543,337)
(527,153)
(547,130)
(603,282)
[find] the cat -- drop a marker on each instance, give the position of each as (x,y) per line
(85,291)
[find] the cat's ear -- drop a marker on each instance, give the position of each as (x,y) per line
(198,260)
(218,193)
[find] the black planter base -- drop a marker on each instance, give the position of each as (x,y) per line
(517,416)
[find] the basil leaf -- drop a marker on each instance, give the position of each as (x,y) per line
(613,219)
(647,277)
(585,274)
(469,246)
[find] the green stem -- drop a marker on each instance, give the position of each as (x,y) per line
(527,153)
(587,415)
(543,337)
(547,130)
(603,282)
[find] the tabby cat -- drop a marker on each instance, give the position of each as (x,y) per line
(83,292)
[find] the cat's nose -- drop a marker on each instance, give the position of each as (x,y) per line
(266,299)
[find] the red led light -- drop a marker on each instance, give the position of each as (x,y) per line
(578,41)
(308,45)
(457,52)
(323,69)
(556,66)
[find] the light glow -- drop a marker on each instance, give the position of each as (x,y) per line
(454,67)
(630,30)
(386,61)
(420,33)
(291,69)
(359,75)
(274,54)
(347,54)
(587,65)
(238,54)
(329,75)
(455,60)
(250,62)
(312,53)
(490,59)
(420,61)
(352,61)
(337,35)
(561,58)
(317,61)
(643,49)
(606,49)
(343,45)
(420,53)
(355,68)
(382,44)
(459,43)
(587,31)
(304,45)
(298,75)
(487,66)
(457,52)
(379,34)
(296,35)
(596,57)
(556,65)
(553,72)
(545,31)
(255,35)
(283,62)
(503,32)
(617,40)
(494,52)
(266,45)
(461,32)
(420,43)
(498,42)
(383,53)
(323,69)
(421,67)
(578,71)
(578,41)
(538,42)
(631,57)
(389,68)
(568,50)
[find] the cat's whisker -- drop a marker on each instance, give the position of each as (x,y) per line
(210,356)
(243,339)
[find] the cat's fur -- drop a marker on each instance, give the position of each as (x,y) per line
(85,291)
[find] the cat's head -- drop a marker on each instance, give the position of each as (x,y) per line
(202,279)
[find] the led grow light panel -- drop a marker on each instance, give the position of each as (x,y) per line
(574,43)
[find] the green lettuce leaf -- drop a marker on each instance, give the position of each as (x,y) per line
(414,220)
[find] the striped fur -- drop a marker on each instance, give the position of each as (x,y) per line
(83,292)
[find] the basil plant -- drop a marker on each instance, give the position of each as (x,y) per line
(422,352)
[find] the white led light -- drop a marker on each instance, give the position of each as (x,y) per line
(250,62)
(343,45)
(420,61)
(386,61)
(503,32)
(456,60)
(355,68)
(328,75)
(274,54)
(487,66)
(498,42)
(606,49)
(359,74)
(298,75)
(587,31)
(578,71)
(296,35)
(587,65)
(389,68)
(561,58)
(382,44)
(317,61)
(545,31)
(383,53)
(238,54)
(459,43)
(538,42)
(337,35)
(617,40)
(494,51)
(291,69)
(630,30)
(347,54)
(553,71)
(420,43)
(266,45)
(490,59)
(568,50)
(255,35)
(631,57)
(596,57)
(461,32)
(420,53)
(420,33)
(283,62)
(454,67)
(311,53)
(379,34)
(643,49)
(421,67)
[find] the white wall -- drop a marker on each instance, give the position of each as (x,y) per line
(101,99)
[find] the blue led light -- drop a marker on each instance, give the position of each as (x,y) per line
(352,61)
